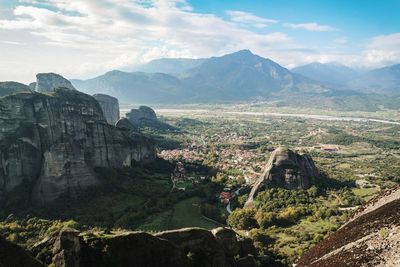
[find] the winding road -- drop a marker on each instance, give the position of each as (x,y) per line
(228,207)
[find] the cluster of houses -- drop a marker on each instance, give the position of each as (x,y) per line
(189,154)
(179,176)
(229,158)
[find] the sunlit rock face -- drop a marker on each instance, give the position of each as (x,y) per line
(286,169)
(48,82)
(54,141)
(110,107)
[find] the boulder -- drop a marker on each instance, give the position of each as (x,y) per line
(201,244)
(286,169)
(134,249)
(55,141)
(194,247)
(48,82)
(110,107)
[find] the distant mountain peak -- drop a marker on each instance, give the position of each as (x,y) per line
(243,52)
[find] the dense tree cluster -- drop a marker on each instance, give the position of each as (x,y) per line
(282,207)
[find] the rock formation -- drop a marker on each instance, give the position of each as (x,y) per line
(146,117)
(54,142)
(47,82)
(13,255)
(142,115)
(285,169)
(371,237)
(202,244)
(7,88)
(110,107)
(67,248)
(194,247)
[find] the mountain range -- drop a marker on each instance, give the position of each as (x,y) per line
(244,76)
(172,66)
(237,76)
(332,74)
(380,81)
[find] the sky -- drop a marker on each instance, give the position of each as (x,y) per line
(85,38)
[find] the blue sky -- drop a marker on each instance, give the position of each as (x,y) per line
(83,38)
(361,18)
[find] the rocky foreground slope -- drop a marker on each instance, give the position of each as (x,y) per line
(13,255)
(186,247)
(285,169)
(371,237)
(53,141)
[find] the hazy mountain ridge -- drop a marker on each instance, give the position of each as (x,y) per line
(172,66)
(243,76)
(384,80)
(133,86)
(237,76)
(329,73)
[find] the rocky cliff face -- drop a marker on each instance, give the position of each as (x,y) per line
(54,141)
(47,82)
(285,169)
(110,107)
(141,115)
(371,237)
(194,247)
(146,117)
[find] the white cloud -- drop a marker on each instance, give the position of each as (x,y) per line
(249,19)
(83,38)
(11,42)
(312,26)
(383,50)
(122,33)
